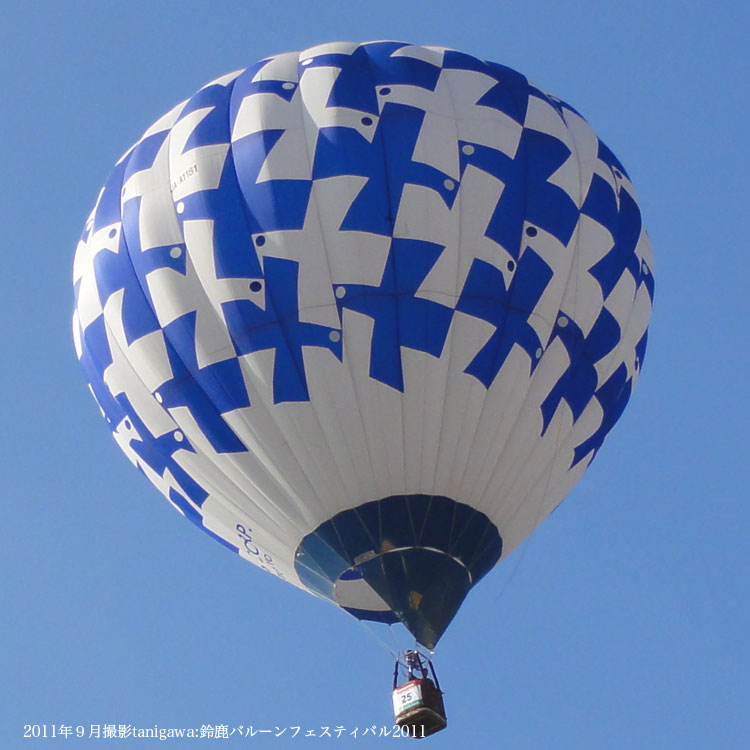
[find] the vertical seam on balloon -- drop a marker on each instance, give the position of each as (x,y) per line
(567,375)
(476,550)
(524,406)
(290,422)
(108,327)
(525,402)
(332,521)
(617,354)
(229,161)
(615,233)
(621,344)
(548,471)
(411,519)
(224,500)
(366,528)
(451,336)
(355,391)
(500,332)
(574,254)
(300,372)
(455,210)
(393,210)
(452,529)
(161,330)
(366,434)
(638,283)
(112,342)
(572,277)
(424,520)
(380,523)
(456,471)
(313,198)
(243,203)
(112,338)
(474,433)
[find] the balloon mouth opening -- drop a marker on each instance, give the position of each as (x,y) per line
(405,558)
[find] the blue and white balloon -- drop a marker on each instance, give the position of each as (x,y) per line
(365,313)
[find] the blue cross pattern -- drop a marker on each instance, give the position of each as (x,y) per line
(618,212)
(155,452)
(278,327)
(125,269)
(386,162)
(243,210)
(528,196)
(207,392)
(613,396)
(370,66)
(374,65)
(401,318)
(158,454)
(225,205)
(95,358)
(486,296)
(579,381)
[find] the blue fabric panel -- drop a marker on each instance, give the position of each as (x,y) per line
(401,318)
(279,327)
(640,349)
(418,507)
(388,70)
(145,152)
(485,296)
(622,256)
(354,87)
(314,581)
(396,527)
(468,533)
(115,271)
(328,533)
(273,204)
(613,397)
(355,537)
(578,383)
(486,555)
(320,555)
(342,151)
(108,210)
(206,391)
(436,530)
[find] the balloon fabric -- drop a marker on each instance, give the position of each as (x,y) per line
(365,314)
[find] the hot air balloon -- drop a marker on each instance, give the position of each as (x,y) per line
(365,314)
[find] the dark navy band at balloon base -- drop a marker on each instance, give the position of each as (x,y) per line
(420,553)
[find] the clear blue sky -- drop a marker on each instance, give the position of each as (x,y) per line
(622,623)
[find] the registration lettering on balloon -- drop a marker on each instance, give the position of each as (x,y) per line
(382,303)
(184,176)
(265,560)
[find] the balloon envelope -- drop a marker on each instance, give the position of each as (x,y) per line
(365,314)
